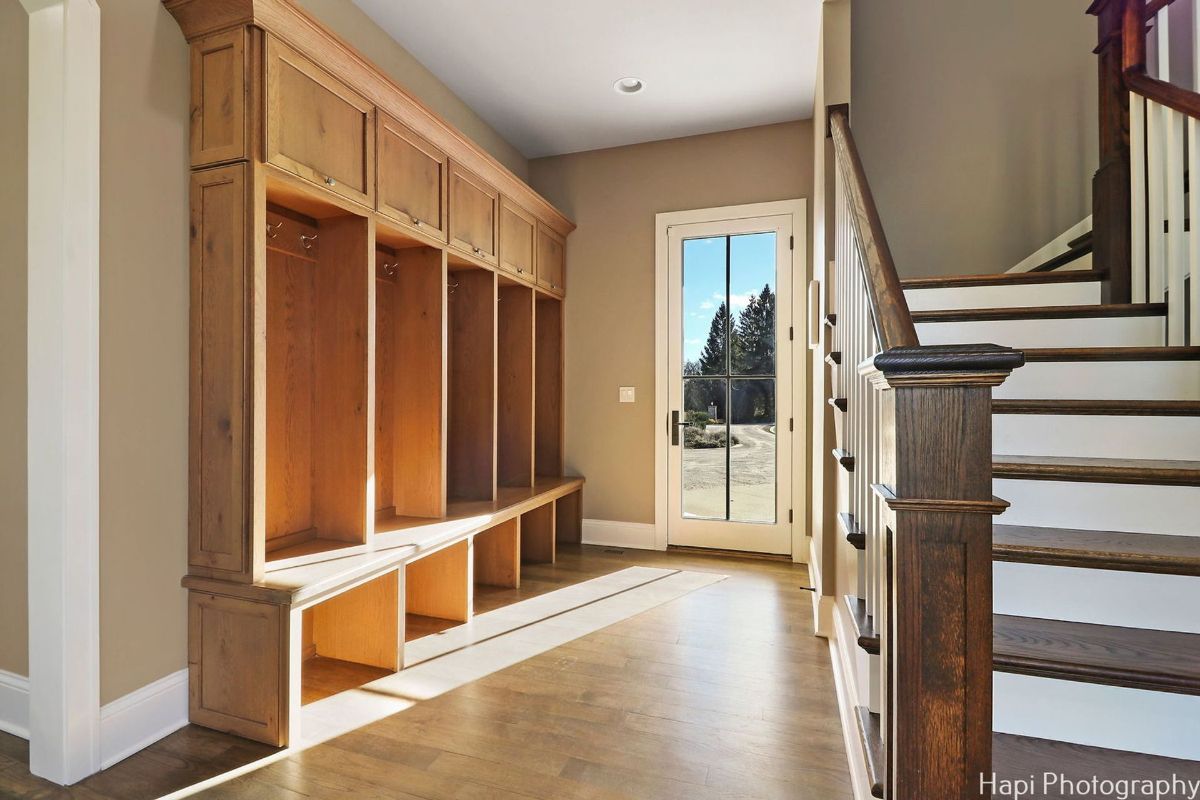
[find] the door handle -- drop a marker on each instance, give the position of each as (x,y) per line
(675,426)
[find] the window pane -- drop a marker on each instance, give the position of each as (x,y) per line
(752,303)
(705,448)
(752,457)
(705,312)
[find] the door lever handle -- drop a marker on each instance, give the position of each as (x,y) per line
(675,426)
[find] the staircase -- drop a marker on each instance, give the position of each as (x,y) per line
(1096,626)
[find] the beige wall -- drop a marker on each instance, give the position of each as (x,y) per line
(14,631)
(144,324)
(976,123)
(613,196)
(352,24)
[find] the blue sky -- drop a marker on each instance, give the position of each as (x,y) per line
(752,265)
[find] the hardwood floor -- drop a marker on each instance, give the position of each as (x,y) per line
(720,693)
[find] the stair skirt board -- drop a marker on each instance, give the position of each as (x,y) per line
(1172,510)
(1100,597)
(1087,332)
(1158,723)
(1087,436)
(1103,380)
(1021,296)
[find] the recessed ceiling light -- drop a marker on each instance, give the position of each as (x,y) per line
(628,85)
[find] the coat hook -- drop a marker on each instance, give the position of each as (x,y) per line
(307,240)
(450,287)
(273,230)
(389,270)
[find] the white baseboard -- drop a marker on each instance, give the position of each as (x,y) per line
(14,704)
(142,717)
(1055,246)
(843,680)
(612,533)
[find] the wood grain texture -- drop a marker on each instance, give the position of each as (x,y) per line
(1112,354)
(386,377)
(498,555)
(474,213)
(890,315)
(518,237)
(870,737)
(537,535)
(1115,550)
(1107,408)
(220,437)
(317,127)
(219,71)
(548,388)
(362,625)
(1005,279)
(1097,470)
(471,430)
(515,386)
(439,585)
(551,260)
(1112,211)
(413,179)
(1105,311)
(568,518)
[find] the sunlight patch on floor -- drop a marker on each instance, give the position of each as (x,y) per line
(489,643)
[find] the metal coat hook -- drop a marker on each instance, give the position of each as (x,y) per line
(389,270)
(273,230)
(307,240)
(450,287)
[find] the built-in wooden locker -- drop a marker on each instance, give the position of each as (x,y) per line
(471,423)
(474,208)
(316,387)
(551,260)
(413,177)
(514,385)
(518,240)
(410,368)
(548,406)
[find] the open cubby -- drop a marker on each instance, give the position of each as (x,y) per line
(548,407)
(409,364)
(316,383)
(568,518)
(437,590)
(537,535)
(514,385)
(351,638)
(471,367)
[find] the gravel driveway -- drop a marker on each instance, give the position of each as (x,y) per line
(752,484)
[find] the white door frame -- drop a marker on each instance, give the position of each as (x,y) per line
(63,415)
(798,209)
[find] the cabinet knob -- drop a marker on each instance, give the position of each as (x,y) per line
(330,181)
(417,222)
(477,250)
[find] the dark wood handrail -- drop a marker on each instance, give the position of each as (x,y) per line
(889,310)
(1136,13)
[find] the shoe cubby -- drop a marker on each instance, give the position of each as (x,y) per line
(437,589)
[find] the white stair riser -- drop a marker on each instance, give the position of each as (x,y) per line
(1103,380)
(1171,510)
(1023,296)
(1097,596)
(1087,436)
(1106,332)
(1101,716)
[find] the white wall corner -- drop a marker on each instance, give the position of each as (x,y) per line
(612,533)
(63,388)
(142,717)
(14,704)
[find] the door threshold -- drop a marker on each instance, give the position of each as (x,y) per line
(716,551)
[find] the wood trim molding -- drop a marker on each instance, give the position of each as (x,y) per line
(993,506)
(292,24)
(63,389)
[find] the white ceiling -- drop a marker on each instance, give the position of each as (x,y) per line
(541,71)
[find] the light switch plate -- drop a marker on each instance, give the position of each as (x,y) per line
(626,394)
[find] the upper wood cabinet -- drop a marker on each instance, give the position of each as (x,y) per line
(412,179)
(518,232)
(218,116)
(551,260)
(317,127)
(474,207)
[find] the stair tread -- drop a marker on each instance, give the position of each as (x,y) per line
(1019,757)
(1131,657)
(1042,312)
(854,534)
(1163,661)
(1111,354)
(1068,547)
(1097,470)
(1164,408)
(1005,279)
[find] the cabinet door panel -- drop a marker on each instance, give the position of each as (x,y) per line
(317,127)
(412,179)
(517,236)
(473,209)
(551,260)
(218,116)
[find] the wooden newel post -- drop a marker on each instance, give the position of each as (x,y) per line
(937,643)
(1111,205)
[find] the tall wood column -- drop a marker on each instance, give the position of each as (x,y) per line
(937,643)
(1111,206)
